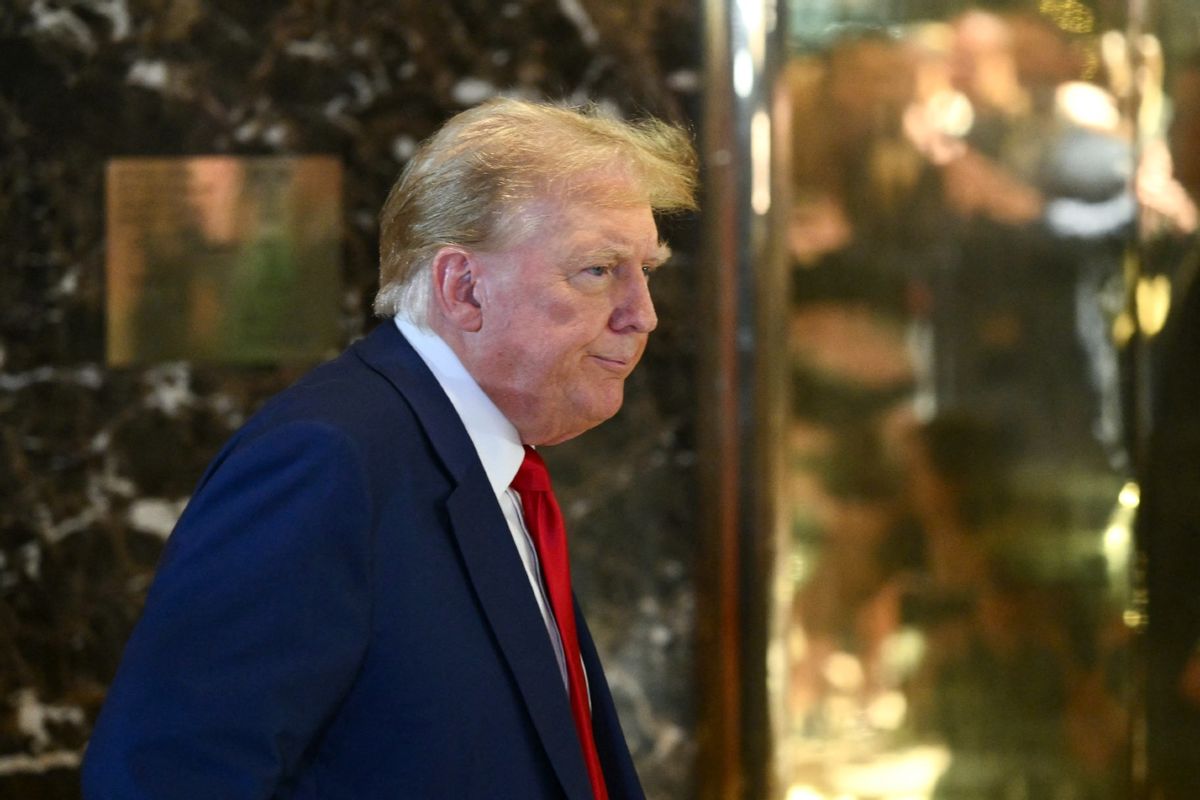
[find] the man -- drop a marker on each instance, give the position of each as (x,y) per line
(352,605)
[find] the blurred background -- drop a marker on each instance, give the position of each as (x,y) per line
(905,498)
(987,587)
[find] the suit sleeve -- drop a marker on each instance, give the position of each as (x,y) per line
(252,632)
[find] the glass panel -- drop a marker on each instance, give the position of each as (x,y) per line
(954,606)
(1169,524)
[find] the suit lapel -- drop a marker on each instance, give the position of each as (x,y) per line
(499,580)
(491,560)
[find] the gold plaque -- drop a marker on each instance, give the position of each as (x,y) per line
(223,259)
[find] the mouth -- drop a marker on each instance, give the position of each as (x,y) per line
(613,363)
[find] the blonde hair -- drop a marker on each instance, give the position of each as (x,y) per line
(468,184)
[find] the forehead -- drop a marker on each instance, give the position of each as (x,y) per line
(585,227)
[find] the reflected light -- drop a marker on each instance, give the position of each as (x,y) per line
(1149,75)
(1118,536)
(888,711)
(1088,105)
(749,58)
(798,643)
(901,653)
(760,157)
(911,773)
(1114,51)
(1153,303)
(844,671)
(1071,16)
(1130,496)
(743,73)
(804,793)
(799,568)
(1123,329)
(1116,541)
(753,13)
(951,113)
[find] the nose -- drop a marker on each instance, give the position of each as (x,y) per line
(634,310)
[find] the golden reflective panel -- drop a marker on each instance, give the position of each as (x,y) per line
(223,259)
(992,221)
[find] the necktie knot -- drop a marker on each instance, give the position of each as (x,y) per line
(532,476)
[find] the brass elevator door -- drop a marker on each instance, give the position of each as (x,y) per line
(991,231)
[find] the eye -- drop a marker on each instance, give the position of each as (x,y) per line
(599,270)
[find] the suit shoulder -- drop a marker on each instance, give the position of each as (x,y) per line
(343,394)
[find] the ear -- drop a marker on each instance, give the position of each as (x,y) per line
(454,285)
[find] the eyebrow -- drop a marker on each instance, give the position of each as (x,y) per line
(660,256)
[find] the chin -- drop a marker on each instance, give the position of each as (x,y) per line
(581,413)
(607,409)
(581,423)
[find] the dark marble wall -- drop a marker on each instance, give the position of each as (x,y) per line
(95,463)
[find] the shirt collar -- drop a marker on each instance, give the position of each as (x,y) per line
(496,440)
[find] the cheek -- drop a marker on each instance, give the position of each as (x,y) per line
(559,313)
(548,344)
(569,330)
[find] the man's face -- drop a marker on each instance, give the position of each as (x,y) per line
(566,313)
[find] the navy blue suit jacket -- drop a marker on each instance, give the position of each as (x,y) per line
(341,613)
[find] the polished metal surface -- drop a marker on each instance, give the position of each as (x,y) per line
(985,236)
(742,389)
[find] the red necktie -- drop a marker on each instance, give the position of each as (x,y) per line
(545,523)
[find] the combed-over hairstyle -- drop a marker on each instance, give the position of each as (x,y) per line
(470,183)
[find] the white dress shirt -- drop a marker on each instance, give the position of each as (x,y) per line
(499,447)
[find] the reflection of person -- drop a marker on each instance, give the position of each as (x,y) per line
(1039,186)
(351,606)
(861,192)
